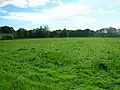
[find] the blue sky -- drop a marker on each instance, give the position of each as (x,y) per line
(59,14)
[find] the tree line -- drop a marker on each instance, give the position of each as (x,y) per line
(7,32)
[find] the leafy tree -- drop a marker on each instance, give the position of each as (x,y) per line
(53,34)
(64,33)
(7,30)
(102,32)
(111,32)
(32,33)
(22,33)
(87,32)
(44,32)
(7,33)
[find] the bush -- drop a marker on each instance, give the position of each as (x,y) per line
(6,37)
(1,37)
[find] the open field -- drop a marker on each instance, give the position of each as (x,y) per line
(60,64)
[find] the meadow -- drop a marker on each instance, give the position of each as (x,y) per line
(60,64)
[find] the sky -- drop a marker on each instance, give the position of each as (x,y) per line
(59,14)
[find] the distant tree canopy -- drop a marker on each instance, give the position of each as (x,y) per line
(7,29)
(7,32)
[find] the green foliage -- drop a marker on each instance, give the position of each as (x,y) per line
(6,30)
(60,64)
(44,32)
(6,37)
(1,36)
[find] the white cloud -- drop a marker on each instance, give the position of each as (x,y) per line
(57,2)
(78,19)
(113,2)
(116,25)
(66,10)
(18,3)
(66,14)
(62,11)
(34,3)
(2,10)
(107,11)
(63,15)
(23,3)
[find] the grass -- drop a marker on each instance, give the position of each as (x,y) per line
(60,64)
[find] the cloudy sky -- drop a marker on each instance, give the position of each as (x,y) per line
(70,14)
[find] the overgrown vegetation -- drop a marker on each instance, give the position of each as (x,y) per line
(44,32)
(6,37)
(60,64)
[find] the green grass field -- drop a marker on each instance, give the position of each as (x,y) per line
(60,64)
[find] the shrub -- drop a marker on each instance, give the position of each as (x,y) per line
(6,37)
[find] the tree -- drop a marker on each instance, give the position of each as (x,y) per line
(32,33)
(22,33)
(53,34)
(64,33)
(44,32)
(87,32)
(102,32)
(7,30)
(111,32)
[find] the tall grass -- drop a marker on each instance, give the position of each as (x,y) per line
(60,64)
